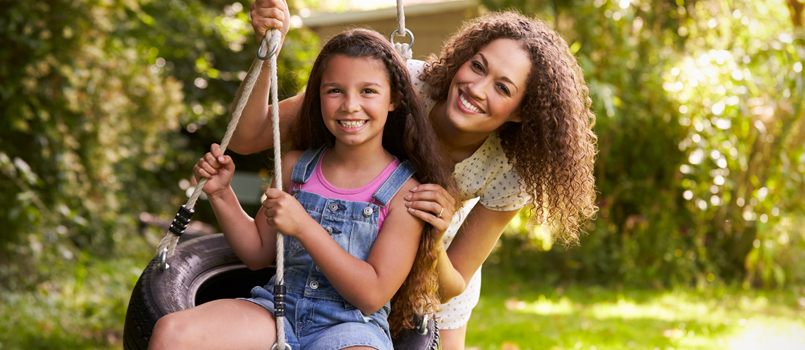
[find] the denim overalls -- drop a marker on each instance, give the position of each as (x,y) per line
(316,316)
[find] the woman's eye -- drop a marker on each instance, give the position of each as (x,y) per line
(477,66)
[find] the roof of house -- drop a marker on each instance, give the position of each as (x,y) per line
(412,8)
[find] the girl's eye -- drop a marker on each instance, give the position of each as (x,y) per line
(369,91)
(333,91)
(504,89)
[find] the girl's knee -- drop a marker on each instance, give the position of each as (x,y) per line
(169,331)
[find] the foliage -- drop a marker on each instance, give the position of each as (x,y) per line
(82,307)
(85,119)
(741,99)
(101,100)
(700,126)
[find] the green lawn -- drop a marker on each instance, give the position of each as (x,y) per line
(85,309)
(514,315)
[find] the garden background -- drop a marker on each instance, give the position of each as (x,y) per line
(698,244)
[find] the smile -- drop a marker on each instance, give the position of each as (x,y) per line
(467,105)
(351,124)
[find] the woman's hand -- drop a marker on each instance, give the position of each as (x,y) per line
(284,213)
(217,168)
(433,204)
(270,14)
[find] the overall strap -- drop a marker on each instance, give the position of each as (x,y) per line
(303,168)
(392,185)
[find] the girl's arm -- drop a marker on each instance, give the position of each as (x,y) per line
(368,284)
(239,229)
(470,248)
(256,249)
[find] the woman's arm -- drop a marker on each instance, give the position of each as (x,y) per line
(470,248)
(254,133)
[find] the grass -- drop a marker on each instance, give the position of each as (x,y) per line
(513,315)
(84,308)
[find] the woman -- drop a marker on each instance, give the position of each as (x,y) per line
(511,110)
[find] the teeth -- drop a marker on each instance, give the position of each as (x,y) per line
(352,123)
(467,105)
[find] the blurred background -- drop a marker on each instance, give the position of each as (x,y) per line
(106,104)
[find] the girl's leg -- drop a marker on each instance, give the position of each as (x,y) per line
(453,339)
(219,324)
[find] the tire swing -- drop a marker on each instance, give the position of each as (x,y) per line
(205,268)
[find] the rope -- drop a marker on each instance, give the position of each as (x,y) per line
(167,245)
(279,288)
(269,48)
(404,49)
(401,17)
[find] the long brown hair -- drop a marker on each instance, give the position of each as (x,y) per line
(553,148)
(407,135)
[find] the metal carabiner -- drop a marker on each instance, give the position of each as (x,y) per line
(270,45)
(287,347)
(396,33)
(422,328)
(163,259)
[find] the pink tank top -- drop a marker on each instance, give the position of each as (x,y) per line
(319,185)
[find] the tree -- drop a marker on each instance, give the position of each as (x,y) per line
(101,100)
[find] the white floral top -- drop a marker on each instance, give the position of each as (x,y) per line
(485,177)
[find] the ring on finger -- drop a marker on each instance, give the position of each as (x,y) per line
(441,211)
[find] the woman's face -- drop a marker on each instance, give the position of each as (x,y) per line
(487,89)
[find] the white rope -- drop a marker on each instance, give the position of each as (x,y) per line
(269,47)
(275,122)
(168,243)
(404,49)
(400,17)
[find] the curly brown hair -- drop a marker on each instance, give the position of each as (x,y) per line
(407,135)
(553,149)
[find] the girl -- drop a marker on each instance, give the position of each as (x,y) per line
(510,107)
(351,242)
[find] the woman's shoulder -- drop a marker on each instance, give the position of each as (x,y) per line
(415,69)
(488,159)
(489,174)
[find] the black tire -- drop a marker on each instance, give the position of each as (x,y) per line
(202,269)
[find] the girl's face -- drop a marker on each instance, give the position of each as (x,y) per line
(355,99)
(487,89)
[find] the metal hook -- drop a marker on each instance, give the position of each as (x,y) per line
(287,347)
(163,259)
(396,33)
(270,45)
(422,328)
